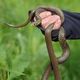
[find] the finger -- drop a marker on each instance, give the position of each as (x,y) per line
(45,14)
(57,24)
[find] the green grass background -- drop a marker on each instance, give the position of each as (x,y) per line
(23,53)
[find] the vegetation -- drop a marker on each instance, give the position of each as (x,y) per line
(23,53)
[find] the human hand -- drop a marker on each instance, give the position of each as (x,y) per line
(48,18)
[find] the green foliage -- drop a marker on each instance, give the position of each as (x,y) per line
(23,54)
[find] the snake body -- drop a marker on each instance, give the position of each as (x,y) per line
(52,56)
(30,15)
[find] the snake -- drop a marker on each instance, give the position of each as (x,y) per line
(53,65)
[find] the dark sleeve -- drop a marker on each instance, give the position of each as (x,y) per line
(71,26)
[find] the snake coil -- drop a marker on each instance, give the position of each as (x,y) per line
(62,40)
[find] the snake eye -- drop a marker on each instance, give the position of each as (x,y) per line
(29,12)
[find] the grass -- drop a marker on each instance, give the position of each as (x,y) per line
(23,54)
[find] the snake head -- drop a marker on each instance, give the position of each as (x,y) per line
(35,18)
(31,14)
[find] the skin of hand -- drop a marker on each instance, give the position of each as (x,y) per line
(48,18)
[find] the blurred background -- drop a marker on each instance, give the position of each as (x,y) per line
(23,53)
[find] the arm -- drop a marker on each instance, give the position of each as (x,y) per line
(71,26)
